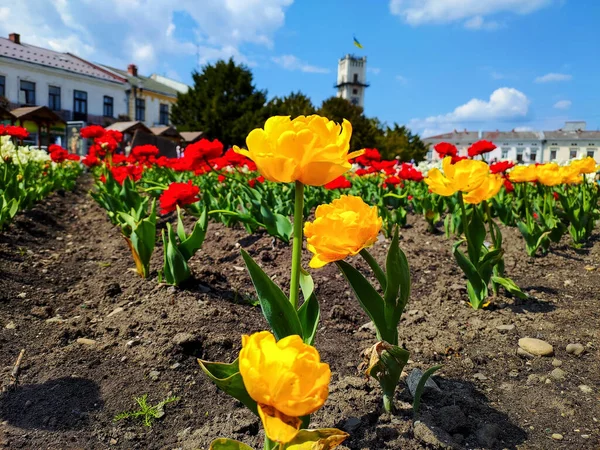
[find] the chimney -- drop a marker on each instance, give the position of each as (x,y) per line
(132,69)
(15,37)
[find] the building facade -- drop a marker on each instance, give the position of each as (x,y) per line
(352,79)
(528,147)
(148,100)
(78,91)
(75,89)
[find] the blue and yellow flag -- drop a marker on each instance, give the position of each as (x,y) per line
(358,44)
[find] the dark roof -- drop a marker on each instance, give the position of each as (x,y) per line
(36,113)
(129,127)
(191,136)
(5,114)
(571,135)
(166,131)
(56,60)
(504,135)
(455,135)
(147,83)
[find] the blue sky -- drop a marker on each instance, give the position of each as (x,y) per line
(435,65)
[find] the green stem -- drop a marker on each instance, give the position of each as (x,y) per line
(375,267)
(388,403)
(463,210)
(488,212)
(297,244)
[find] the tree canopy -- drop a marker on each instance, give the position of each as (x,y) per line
(226,105)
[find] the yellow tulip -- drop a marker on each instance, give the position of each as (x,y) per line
(549,174)
(341,228)
(286,379)
(521,174)
(311,149)
(585,165)
(489,188)
(464,176)
(571,175)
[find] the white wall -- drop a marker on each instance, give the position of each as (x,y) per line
(43,77)
(153,110)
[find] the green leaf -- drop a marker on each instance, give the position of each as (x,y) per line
(476,235)
(227,377)
(488,262)
(228,444)
(370,301)
(176,268)
(275,305)
(510,286)
(180,229)
(421,387)
(192,243)
(309,312)
(397,292)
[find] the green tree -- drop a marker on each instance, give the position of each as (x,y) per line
(294,105)
(223,103)
(365,131)
(400,142)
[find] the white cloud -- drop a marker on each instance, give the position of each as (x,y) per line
(471,12)
(563,104)
(290,62)
(551,77)
(504,104)
(401,79)
(374,70)
(99,29)
(479,23)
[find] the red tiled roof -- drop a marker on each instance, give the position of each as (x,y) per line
(57,60)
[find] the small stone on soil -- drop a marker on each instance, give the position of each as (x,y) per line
(115,311)
(575,349)
(536,346)
(153,375)
(556,362)
(413,380)
(85,341)
(585,389)
(433,436)
(558,374)
(557,437)
(503,328)
(10,326)
(479,376)
(41,312)
(351,424)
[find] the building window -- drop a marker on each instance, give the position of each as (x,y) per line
(2,85)
(164,114)
(108,110)
(532,156)
(356,78)
(520,151)
(591,152)
(354,100)
(27,93)
(80,105)
(355,91)
(553,153)
(54,98)
(140,109)
(573,153)
(504,152)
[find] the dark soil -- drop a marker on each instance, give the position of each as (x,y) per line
(64,275)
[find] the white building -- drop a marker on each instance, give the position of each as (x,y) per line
(520,146)
(570,142)
(149,101)
(352,79)
(75,89)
